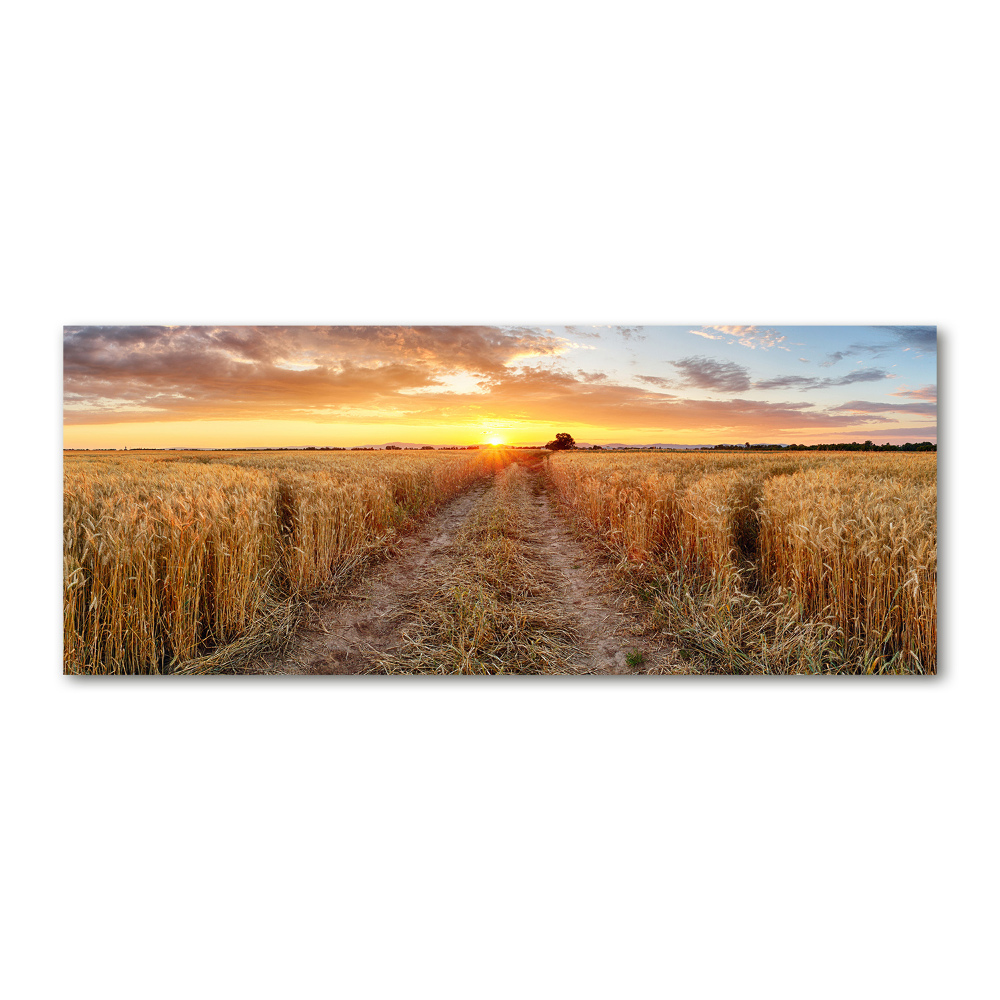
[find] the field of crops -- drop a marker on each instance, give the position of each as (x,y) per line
(174,556)
(748,563)
(772,561)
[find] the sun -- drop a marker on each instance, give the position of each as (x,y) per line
(494,440)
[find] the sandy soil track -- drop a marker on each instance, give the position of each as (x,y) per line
(352,633)
(371,627)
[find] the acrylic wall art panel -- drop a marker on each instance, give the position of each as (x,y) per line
(548,499)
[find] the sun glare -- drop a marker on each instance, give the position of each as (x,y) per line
(494,440)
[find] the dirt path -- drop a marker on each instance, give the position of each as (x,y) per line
(608,633)
(493,582)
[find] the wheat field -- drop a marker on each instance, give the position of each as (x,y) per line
(172,558)
(772,561)
(749,563)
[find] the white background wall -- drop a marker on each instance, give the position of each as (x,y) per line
(524,162)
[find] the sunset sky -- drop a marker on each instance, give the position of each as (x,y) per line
(267,386)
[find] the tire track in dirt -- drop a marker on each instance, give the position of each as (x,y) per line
(366,628)
(351,633)
(608,632)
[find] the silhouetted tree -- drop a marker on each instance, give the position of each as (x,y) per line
(562,442)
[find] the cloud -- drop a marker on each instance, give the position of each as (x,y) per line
(190,372)
(804,383)
(750,336)
(835,357)
(264,392)
(630,332)
(921,338)
(707,336)
(870,406)
(707,373)
(806,360)
(800,382)
(926,392)
(562,399)
(458,348)
(727,376)
(415,375)
(859,375)
(736,331)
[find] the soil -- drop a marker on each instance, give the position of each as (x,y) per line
(364,627)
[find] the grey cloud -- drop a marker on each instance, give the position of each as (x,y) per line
(877,406)
(630,332)
(859,375)
(918,338)
(927,392)
(835,357)
(707,373)
(804,383)
(801,382)
(921,338)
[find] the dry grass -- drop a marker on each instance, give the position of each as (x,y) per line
(190,562)
(490,610)
(772,562)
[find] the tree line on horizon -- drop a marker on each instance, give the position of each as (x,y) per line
(843,446)
(565,442)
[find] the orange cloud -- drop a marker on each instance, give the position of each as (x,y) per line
(752,337)
(449,380)
(156,373)
(925,392)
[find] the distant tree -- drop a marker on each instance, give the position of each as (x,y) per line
(561,443)
(427,447)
